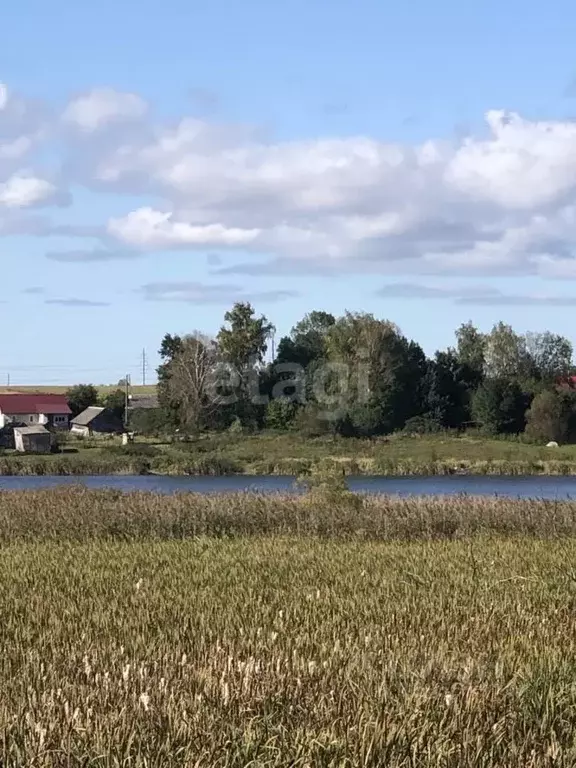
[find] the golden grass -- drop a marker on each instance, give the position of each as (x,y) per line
(326,650)
(78,514)
(103,389)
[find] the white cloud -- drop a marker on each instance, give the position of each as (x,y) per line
(502,202)
(23,125)
(103,106)
(3,96)
(523,165)
(487,204)
(148,228)
(20,191)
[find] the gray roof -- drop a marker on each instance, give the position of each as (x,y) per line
(143,401)
(87,416)
(39,430)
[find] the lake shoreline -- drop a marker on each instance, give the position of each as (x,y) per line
(33,466)
(527,487)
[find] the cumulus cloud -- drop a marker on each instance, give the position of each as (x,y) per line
(76,303)
(484,204)
(102,106)
(21,191)
(200,293)
(486,296)
(501,202)
(24,125)
(148,228)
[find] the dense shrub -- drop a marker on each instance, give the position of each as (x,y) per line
(422,425)
(281,413)
(131,449)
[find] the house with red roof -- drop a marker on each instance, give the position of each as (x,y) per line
(34,409)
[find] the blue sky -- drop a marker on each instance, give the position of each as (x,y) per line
(159,161)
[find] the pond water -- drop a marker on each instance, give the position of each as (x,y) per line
(542,487)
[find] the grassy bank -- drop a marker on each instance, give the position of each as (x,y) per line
(287,454)
(155,632)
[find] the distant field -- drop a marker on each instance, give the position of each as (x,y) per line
(137,389)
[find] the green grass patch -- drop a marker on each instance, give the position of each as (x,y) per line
(289,454)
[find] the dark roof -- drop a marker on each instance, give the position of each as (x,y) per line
(143,401)
(87,416)
(40,403)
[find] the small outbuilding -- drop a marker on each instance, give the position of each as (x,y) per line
(96,421)
(32,439)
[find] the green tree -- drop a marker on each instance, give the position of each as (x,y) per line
(242,344)
(548,418)
(550,354)
(307,340)
(381,372)
(80,397)
(150,421)
(298,355)
(245,341)
(499,406)
(169,348)
(471,349)
(447,390)
(116,402)
(505,354)
(280,413)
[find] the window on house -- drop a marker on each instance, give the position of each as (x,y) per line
(31,418)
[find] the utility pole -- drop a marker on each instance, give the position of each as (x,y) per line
(144,364)
(8,379)
(126,399)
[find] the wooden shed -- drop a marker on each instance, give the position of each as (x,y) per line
(96,421)
(32,439)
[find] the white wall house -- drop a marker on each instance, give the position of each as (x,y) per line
(34,409)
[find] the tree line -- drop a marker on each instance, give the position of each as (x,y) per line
(357,375)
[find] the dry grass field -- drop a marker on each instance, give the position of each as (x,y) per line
(148,389)
(153,632)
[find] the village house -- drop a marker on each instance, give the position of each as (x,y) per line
(96,421)
(46,410)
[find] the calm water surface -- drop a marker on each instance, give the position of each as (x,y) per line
(542,487)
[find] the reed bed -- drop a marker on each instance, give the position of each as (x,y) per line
(103,462)
(79,514)
(321,631)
